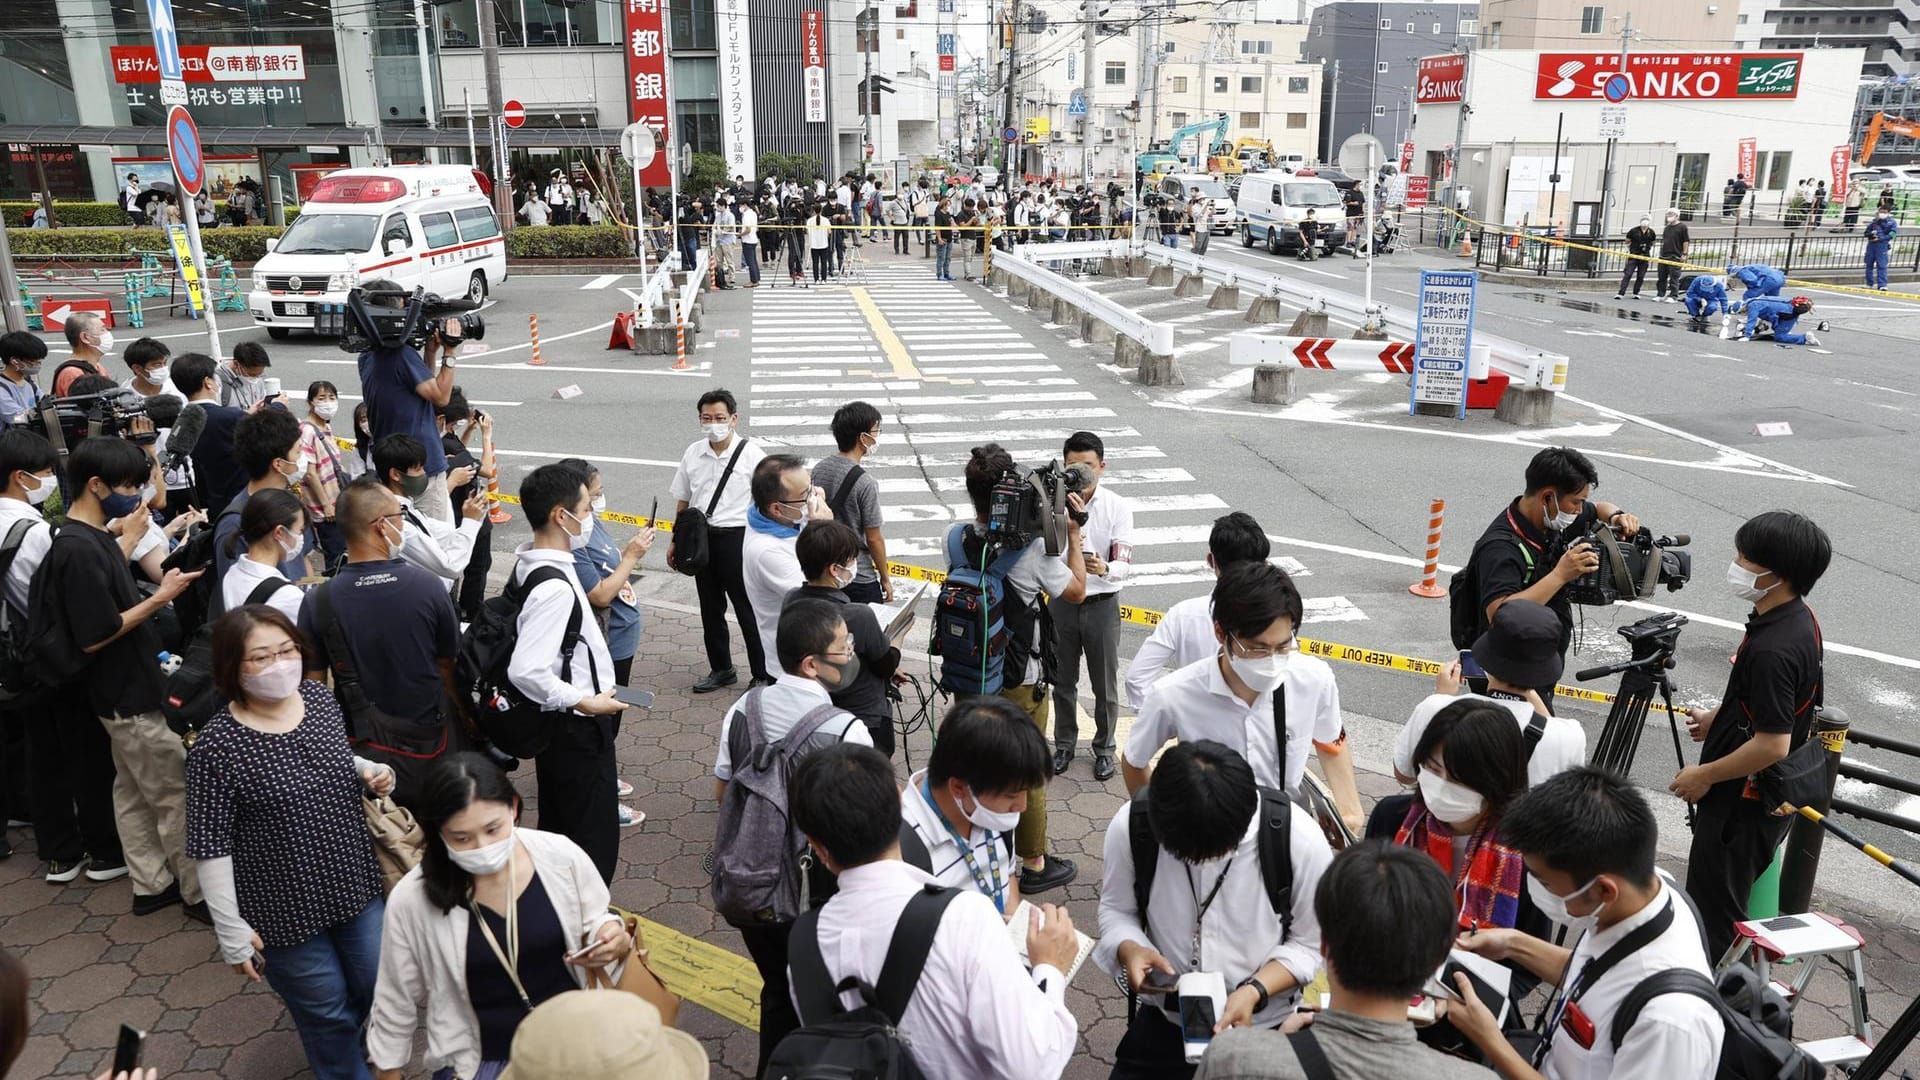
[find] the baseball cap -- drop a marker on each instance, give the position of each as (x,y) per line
(1522,645)
(602,1035)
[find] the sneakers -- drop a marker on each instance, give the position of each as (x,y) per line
(623,789)
(59,873)
(1619,296)
(1811,340)
(630,817)
(106,869)
(160,901)
(1053,873)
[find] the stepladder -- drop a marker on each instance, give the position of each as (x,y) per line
(1786,952)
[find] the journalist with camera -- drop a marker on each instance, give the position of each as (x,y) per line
(1536,548)
(1757,741)
(406,342)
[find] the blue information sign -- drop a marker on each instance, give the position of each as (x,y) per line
(1077,103)
(166,40)
(1443,339)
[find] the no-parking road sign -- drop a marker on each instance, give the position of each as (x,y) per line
(183,146)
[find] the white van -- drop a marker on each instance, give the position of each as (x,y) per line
(1272,203)
(1179,187)
(418,225)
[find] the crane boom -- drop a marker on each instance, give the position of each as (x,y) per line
(1882,122)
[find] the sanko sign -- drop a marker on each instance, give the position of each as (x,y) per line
(1440,79)
(1669,76)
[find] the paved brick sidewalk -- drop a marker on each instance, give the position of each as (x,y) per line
(95,966)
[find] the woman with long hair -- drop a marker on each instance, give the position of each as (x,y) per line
(1470,765)
(495,920)
(274,818)
(320,488)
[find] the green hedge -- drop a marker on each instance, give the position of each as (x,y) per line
(83,215)
(569,242)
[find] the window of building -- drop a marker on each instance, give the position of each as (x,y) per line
(1740,20)
(1116,73)
(899,33)
(908,10)
(1380,68)
(699,122)
(1249,84)
(869,98)
(1179,84)
(1296,84)
(689,24)
(1296,120)
(1386,24)
(1592,19)
(1256,48)
(1250,121)
(1493,35)
(1468,27)
(1776,166)
(1379,110)
(1179,119)
(1689,182)
(1219,84)
(866,30)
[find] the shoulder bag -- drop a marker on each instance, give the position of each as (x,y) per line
(690,547)
(636,975)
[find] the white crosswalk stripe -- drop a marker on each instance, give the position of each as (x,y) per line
(980,379)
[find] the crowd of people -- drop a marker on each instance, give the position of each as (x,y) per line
(337,606)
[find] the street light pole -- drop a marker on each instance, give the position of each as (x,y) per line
(496,101)
(426,74)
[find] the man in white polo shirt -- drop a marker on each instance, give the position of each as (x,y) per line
(1185,633)
(960,811)
(1091,627)
(713,477)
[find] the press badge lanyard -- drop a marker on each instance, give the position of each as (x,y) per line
(510,959)
(1200,906)
(996,890)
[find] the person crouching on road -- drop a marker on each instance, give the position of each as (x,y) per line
(1776,318)
(1706,294)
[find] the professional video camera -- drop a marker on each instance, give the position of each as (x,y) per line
(120,413)
(1631,568)
(1028,502)
(1151,198)
(390,318)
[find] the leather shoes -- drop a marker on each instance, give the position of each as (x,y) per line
(714,680)
(1103,769)
(1061,759)
(1055,873)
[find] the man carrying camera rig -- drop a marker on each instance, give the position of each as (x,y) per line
(405,385)
(991,626)
(1533,550)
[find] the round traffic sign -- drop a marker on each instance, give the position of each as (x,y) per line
(637,144)
(1618,87)
(1011,134)
(183,146)
(869,150)
(513,113)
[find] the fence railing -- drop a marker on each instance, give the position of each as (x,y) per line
(1791,253)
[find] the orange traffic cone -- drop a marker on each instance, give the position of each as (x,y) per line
(1466,246)
(622,336)
(533,329)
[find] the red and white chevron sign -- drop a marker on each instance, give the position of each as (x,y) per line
(1340,354)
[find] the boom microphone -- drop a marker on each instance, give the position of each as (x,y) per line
(1679,540)
(185,435)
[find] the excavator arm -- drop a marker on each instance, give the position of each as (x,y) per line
(1892,124)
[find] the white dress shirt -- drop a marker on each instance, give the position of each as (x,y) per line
(1562,746)
(783,705)
(1676,1035)
(1182,636)
(749,225)
(975,1012)
(33,546)
(245,575)
(535,667)
(992,856)
(700,469)
(1196,703)
(440,549)
(1108,533)
(1240,932)
(770,566)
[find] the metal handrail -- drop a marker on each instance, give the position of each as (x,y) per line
(698,277)
(659,285)
(1156,336)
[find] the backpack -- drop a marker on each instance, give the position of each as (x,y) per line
(1758,1044)
(20,677)
(1466,616)
(975,630)
(401,744)
(514,724)
(195,604)
(834,1041)
(191,699)
(57,657)
(1274,843)
(756,848)
(84,367)
(690,545)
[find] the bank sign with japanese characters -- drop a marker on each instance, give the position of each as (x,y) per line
(217,74)
(647,81)
(1669,76)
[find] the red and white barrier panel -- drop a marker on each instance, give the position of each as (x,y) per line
(1337,354)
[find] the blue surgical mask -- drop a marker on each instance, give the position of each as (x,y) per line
(117,505)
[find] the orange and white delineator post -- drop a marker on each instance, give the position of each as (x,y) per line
(533,329)
(1429,584)
(495,513)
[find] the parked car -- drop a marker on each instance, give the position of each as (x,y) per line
(1271,206)
(1180,186)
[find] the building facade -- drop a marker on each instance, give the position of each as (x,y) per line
(1889,30)
(1368,52)
(1578,25)
(1898,97)
(1251,72)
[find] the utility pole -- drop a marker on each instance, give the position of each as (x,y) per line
(867,31)
(483,12)
(1460,128)
(1088,13)
(1606,173)
(1333,113)
(13,315)
(1150,74)
(426,74)
(1011,39)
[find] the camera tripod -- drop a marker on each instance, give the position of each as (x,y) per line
(1654,641)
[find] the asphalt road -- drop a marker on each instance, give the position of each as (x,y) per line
(1342,479)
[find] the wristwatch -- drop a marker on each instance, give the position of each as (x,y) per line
(1259,988)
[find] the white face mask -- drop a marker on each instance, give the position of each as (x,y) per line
(325,409)
(1561,522)
(576,541)
(598,503)
(106,341)
(994,821)
(292,545)
(837,572)
(1744,584)
(298,474)
(1555,907)
(485,859)
(37,495)
(277,683)
(1449,800)
(1262,675)
(717,432)
(393,546)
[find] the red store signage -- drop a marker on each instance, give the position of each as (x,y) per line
(1440,79)
(1658,76)
(647,82)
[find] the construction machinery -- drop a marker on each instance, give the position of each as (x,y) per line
(1891,124)
(1205,135)
(1254,153)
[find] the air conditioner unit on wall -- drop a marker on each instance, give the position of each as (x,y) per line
(1107,134)
(1059,136)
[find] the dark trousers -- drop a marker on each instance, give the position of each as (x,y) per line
(902,238)
(15,768)
(1152,1049)
(1733,841)
(750,256)
(1636,272)
(724,580)
(1091,629)
(71,783)
(822,263)
(473,583)
(767,945)
(577,777)
(794,269)
(1668,281)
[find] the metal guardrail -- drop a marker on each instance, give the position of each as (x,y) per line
(1156,336)
(1262,282)
(1076,250)
(684,306)
(1797,253)
(658,287)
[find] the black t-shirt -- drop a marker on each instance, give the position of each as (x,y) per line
(1512,555)
(868,694)
(1771,688)
(88,574)
(398,622)
(219,474)
(459,457)
(1640,239)
(1673,241)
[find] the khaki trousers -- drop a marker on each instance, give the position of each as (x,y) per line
(150,801)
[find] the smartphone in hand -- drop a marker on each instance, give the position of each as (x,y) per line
(126,1053)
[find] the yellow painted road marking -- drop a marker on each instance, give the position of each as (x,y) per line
(883,333)
(724,983)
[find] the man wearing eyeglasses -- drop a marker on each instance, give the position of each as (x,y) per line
(1258,695)
(784,500)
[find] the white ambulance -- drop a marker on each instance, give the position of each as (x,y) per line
(418,225)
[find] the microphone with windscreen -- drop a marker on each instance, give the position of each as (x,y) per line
(185,435)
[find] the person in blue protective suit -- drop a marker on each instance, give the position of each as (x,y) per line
(1706,294)
(1880,233)
(1779,317)
(1759,279)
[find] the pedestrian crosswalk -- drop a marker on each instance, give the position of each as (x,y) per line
(948,373)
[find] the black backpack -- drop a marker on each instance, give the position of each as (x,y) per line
(191,698)
(1758,1044)
(503,714)
(834,1042)
(690,545)
(1274,843)
(21,682)
(1466,616)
